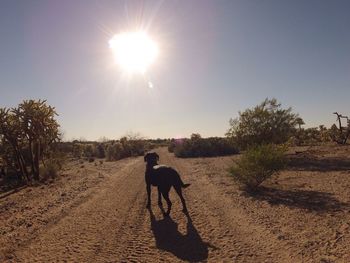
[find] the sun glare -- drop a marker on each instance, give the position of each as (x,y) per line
(133,51)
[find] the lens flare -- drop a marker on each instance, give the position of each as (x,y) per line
(133,51)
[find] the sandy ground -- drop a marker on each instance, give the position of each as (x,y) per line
(97,213)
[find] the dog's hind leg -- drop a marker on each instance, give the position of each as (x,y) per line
(166,197)
(159,197)
(179,192)
(148,188)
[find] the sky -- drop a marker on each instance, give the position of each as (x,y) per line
(216,58)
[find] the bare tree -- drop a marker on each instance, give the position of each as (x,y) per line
(340,134)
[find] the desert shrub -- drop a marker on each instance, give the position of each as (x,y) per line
(119,151)
(324,134)
(91,159)
(340,134)
(99,151)
(172,145)
(197,146)
(110,152)
(65,147)
(114,151)
(154,143)
(124,148)
(266,123)
(77,149)
(257,164)
(310,136)
(88,150)
(133,146)
(50,169)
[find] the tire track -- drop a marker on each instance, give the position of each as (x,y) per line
(78,236)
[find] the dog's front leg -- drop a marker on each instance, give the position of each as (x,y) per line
(159,197)
(148,188)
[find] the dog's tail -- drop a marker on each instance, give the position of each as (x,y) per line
(179,180)
(183,185)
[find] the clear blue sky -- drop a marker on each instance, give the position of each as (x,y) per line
(216,58)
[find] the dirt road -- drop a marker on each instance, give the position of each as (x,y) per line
(111,224)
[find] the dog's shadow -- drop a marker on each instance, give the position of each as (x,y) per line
(188,247)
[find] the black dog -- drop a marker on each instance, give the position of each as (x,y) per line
(164,178)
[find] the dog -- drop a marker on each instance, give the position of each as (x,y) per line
(163,177)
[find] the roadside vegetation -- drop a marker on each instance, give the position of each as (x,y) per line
(258,164)
(110,150)
(28,134)
(197,146)
(31,149)
(264,132)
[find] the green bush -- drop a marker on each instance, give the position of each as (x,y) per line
(257,164)
(266,123)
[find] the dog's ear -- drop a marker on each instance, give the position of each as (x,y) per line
(157,156)
(145,157)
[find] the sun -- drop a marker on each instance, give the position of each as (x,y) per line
(133,51)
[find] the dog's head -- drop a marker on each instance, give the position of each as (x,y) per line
(151,158)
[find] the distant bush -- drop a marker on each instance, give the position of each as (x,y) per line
(172,145)
(88,150)
(155,143)
(110,152)
(132,146)
(257,164)
(197,146)
(99,151)
(310,136)
(124,148)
